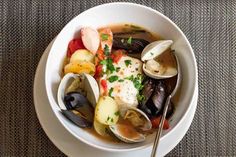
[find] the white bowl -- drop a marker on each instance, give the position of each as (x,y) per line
(118,13)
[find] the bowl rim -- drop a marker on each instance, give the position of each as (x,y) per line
(181,118)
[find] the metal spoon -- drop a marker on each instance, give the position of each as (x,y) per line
(160,127)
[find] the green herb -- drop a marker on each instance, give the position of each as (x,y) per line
(129,41)
(127,62)
(103,62)
(140,97)
(104,37)
(138,84)
(131,78)
(152,53)
(117,113)
(112,120)
(108,118)
(137,81)
(121,80)
(106,50)
(117,69)
(110,91)
(113,78)
(110,66)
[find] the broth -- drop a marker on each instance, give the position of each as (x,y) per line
(167,59)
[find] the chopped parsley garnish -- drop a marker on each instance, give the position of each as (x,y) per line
(104,37)
(140,97)
(138,84)
(152,53)
(110,66)
(118,69)
(129,41)
(117,113)
(127,62)
(137,81)
(131,78)
(113,78)
(106,50)
(110,91)
(109,119)
(121,80)
(103,62)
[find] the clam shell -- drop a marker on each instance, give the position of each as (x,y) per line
(115,130)
(158,71)
(92,89)
(137,137)
(152,67)
(155,49)
(65,82)
(89,85)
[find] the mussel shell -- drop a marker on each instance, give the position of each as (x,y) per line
(73,100)
(155,95)
(76,119)
(159,96)
(132,32)
(136,46)
(149,86)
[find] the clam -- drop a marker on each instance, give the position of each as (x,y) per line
(129,127)
(157,64)
(77,94)
(83,83)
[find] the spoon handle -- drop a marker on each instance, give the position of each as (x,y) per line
(160,127)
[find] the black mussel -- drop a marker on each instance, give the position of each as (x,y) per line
(77,119)
(170,110)
(130,32)
(74,99)
(159,96)
(148,88)
(131,45)
(79,110)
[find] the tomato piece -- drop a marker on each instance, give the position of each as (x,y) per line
(104,84)
(74,45)
(98,71)
(156,121)
(117,55)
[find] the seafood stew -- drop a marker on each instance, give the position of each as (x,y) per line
(116,80)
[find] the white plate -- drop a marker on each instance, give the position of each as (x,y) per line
(69,145)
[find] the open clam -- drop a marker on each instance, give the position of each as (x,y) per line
(83,83)
(77,97)
(129,127)
(159,63)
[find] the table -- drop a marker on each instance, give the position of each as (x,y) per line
(28,26)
